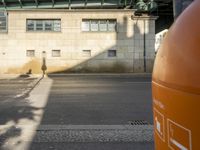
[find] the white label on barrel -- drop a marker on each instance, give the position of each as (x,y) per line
(159,124)
(179,137)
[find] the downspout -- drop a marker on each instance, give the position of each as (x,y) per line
(144,38)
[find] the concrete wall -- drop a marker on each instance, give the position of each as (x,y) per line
(128,40)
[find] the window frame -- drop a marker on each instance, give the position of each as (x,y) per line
(106,25)
(55,50)
(6,21)
(96,24)
(41,23)
(27,27)
(28,55)
(45,25)
(110,51)
(44,29)
(89,52)
(99,20)
(82,25)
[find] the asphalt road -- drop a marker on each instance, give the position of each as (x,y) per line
(98,100)
(78,101)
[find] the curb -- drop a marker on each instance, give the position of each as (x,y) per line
(105,74)
(31,86)
(12,76)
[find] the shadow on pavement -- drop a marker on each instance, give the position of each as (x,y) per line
(15,109)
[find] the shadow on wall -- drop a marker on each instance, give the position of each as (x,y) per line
(130,56)
(127,60)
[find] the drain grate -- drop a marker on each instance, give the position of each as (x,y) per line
(138,122)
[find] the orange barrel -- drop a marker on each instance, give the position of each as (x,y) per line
(176,85)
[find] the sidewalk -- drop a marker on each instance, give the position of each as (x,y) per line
(18,132)
(13,76)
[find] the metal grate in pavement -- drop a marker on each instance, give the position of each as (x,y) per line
(138,122)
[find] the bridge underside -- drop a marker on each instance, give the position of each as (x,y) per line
(73,4)
(70,4)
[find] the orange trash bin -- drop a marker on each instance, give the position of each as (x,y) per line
(176,85)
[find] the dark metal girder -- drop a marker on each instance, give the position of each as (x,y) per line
(20,3)
(62,4)
(4,3)
(85,3)
(69,5)
(26,4)
(102,2)
(36,3)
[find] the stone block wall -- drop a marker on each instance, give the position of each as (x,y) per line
(128,40)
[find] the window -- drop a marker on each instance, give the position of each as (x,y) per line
(3,21)
(86,53)
(99,25)
(30,25)
(94,25)
(48,25)
(39,25)
(85,25)
(112,53)
(103,25)
(111,25)
(43,25)
(56,53)
(30,53)
(57,25)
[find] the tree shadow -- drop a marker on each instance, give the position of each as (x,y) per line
(14,110)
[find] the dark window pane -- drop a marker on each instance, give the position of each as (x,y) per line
(112,53)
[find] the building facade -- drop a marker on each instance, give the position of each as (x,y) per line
(80,40)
